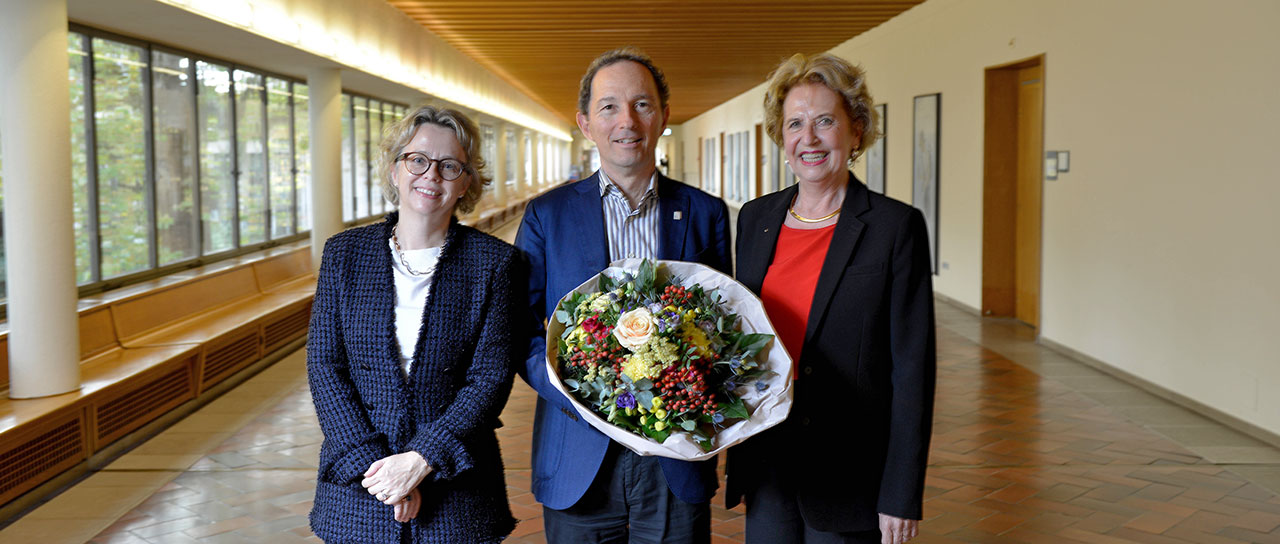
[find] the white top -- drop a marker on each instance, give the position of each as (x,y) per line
(411,296)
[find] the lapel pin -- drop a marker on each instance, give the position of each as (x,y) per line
(675,215)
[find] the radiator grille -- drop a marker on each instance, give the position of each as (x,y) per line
(225,360)
(143,403)
(285,329)
(40,458)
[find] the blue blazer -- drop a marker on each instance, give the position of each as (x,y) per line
(563,237)
(446,410)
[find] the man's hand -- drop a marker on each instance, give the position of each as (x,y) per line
(392,478)
(897,530)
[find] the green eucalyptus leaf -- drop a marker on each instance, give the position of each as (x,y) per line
(644,398)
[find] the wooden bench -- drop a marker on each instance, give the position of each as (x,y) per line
(148,349)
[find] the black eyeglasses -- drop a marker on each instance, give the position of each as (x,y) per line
(418,164)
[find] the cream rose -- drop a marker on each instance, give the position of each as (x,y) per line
(634,328)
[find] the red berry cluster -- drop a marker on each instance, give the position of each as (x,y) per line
(685,388)
(675,294)
(605,355)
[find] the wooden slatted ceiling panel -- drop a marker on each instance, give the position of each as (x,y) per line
(710,51)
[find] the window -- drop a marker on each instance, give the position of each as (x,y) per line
(281,156)
(510,160)
(361,186)
(489,148)
(709,165)
(348,160)
(364,121)
(174,126)
(85,222)
(178,160)
(302,154)
(217,175)
(119,117)
(528,159)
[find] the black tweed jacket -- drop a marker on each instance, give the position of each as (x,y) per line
(446,410)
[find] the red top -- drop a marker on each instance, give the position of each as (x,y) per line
(789,284)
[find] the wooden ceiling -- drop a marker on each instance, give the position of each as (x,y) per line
(710,51)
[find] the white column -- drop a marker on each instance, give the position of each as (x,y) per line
(44,331)
(500,195)
(325,85)
(522,173)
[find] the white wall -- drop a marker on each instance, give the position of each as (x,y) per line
(1159,244)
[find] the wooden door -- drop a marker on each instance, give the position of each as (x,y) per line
(1027,220)
(1013,151)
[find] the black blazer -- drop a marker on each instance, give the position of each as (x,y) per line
(857,440)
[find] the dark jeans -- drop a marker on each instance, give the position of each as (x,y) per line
(629,502)
(773,517)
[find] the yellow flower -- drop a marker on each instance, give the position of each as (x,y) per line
(660,413)
(657,402)
(696,338)
(631,411)
(644,420)
(600,304)
(640,366)
(659,425)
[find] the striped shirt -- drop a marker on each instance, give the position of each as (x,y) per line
(632,233)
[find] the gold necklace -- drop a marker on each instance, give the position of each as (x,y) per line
(807,220)
(403,262)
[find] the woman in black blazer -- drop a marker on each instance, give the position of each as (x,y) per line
(844,275)
(409,353)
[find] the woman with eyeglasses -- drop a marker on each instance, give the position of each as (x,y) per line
(409,352)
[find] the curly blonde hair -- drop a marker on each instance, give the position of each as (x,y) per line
(837,74)
(399,134)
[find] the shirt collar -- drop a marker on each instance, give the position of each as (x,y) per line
(607,185)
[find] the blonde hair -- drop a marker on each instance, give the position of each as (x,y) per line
(837,74)
(400,133)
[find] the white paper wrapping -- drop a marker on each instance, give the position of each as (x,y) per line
(767,408)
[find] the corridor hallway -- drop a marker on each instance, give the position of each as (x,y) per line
(1028,446)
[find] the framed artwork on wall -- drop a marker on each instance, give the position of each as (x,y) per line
(876,153)
(924,166)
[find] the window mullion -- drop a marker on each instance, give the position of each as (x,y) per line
(235,160)
(149,155)
(91,152)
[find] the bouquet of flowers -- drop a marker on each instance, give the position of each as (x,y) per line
(669,358)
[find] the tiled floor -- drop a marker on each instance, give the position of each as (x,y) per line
(1029,446)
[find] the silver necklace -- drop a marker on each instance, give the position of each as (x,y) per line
(400,254)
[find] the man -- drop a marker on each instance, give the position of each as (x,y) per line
(592,489)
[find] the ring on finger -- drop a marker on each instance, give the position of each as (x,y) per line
(382,496)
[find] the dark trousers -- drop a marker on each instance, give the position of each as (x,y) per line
(773,517)
(629,502)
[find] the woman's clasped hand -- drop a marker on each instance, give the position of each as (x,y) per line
(391,479)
